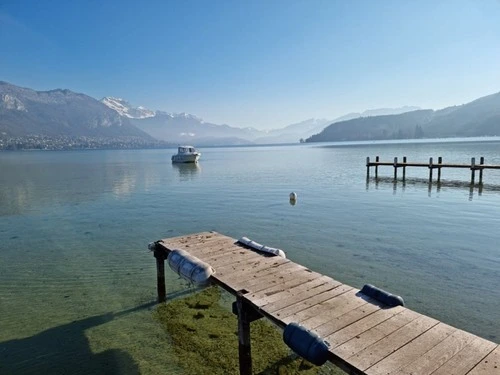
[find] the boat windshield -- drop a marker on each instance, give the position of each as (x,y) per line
(186,150)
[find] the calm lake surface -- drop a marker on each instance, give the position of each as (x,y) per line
(75,271)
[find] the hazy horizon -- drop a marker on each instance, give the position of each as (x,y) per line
(262,64)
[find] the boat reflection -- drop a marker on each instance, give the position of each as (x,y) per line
(187,171)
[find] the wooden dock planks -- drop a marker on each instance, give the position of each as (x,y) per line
(364,336)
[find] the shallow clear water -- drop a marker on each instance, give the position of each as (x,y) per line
(74,229)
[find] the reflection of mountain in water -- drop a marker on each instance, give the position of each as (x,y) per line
(187,171)
(30,182)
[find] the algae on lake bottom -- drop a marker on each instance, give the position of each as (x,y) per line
(205,339)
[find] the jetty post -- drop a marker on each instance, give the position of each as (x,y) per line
(430,170)
(440,162)
(160,274)
(481,163)
(473,170)
(395,168)
(367,167)
(404,168)
(244,344)
(377,159)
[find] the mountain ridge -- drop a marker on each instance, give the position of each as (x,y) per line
(480,117)
(59,112)
(188,128)
(64,113)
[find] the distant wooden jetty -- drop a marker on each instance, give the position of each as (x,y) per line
(363,333)
(473,166)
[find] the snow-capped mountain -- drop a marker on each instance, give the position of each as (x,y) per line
(124,108)
(59,112)
(187,128)
(181,127)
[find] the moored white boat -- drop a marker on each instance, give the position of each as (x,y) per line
(186,154)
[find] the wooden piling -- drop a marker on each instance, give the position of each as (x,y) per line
(430,170)
(244,347)
(481,162)
(440,161)
(430,165)
(367,167)
(404,168)
(473,170)
(160,275)
(395,168)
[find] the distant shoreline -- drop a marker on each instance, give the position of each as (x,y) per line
(117,145)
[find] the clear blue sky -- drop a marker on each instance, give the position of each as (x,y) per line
(258,63)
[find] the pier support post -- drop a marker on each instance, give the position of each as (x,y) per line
(481,163)
(430,170)
(244,348)
(395,168)
(440,161)
(404,168)
(160,275)
(473,170)
(367,167)
(377,159)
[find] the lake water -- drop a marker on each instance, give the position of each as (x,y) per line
(75,272)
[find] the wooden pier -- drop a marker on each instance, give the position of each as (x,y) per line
(364,336)
(473,166)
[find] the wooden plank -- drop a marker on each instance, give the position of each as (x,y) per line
(194,236)
(215,248)
(374,334)
(218,245)
(231,257)
(249,267)
(385,346)
(489,365)
(285,282)
(345,334)
(438,355)
(426,165)
(262,298)
(335,308)
(294,302)
(462,362)
(309,298)
(196,249)
(346,319)
(264,279)
(340,296)
(301,305)
(237,274)
(197,246)
(411,351)
(181,241)
(228,275)
(280,280)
